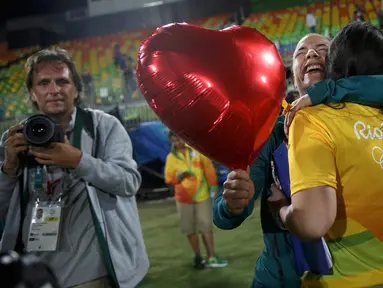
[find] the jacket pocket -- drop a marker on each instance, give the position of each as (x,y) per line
(123,249)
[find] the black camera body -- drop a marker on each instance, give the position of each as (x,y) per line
(39,130)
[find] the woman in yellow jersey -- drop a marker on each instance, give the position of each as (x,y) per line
(195,180)
(336,167)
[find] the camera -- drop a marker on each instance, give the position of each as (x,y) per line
(25,271)
(39,130)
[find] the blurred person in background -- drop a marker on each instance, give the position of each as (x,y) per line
(292,96)
(129,79)
(379,15)
(194,179)
(92,179)
(359,13)
(311,21)
(276,266)
(119,59)
(89,93)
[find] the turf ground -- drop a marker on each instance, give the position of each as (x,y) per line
(171,256)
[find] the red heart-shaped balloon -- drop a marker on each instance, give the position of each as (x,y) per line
(220,91)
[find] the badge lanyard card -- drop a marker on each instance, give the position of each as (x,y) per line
(44,229)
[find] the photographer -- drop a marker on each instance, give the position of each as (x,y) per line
(90,232)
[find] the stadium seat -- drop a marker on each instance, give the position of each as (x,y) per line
(94,54)
(285,27)
(335,19)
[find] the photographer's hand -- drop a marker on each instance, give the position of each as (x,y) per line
(57,154)
(13,145)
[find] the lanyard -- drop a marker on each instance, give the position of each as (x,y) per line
(75,140)
(185,157)
(77,130)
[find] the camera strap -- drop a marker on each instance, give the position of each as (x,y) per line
(81,117)
(24,178)
(75,138)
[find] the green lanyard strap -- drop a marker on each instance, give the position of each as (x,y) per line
(77,130)
(76,142)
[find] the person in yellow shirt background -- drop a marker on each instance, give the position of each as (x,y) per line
(335,156)
(195,184)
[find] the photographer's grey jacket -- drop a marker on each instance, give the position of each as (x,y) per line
(111,182)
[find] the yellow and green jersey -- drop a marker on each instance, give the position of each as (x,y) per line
(343,149)
(195,188)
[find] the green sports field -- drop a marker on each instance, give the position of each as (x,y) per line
(171,257)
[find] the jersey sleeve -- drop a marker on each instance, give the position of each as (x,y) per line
(311,154)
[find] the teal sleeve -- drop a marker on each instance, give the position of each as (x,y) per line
(321,92)
(365,90)
(224,219)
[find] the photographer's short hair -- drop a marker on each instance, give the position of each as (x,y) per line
(52,55)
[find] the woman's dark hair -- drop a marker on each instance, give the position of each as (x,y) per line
(52,55)
(356,50)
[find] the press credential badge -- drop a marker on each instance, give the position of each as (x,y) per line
(44,229)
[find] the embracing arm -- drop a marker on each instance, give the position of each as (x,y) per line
(351,89)
(313,179)
(115,172)
(311,213)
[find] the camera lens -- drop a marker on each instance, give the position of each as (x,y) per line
(39,130)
